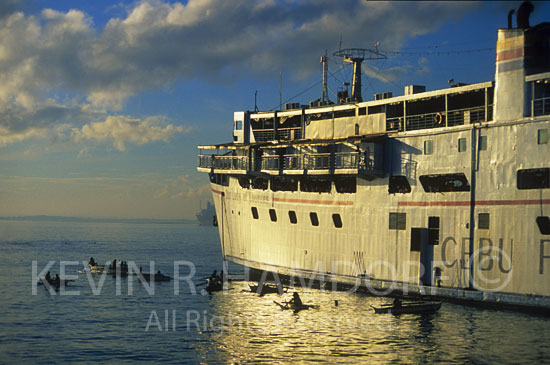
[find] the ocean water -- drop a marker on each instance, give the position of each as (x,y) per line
(234,326)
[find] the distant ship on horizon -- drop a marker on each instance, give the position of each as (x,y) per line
(207,216)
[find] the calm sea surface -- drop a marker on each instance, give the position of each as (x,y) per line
(230,327)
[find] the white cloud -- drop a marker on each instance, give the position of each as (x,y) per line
(159,43)
(182,187)
(121,130)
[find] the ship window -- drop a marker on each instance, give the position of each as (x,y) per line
(461,144)
(544,224)
(273,215)
(284,184)
(219,179)
(238,125)
(318,116)
(444,183)
(399,184)
(482,143)
(533,179)
(416,239)
(313,185)
(244,182)
(259,183)
(363,111)
(433,230)
(255,212)
(543,136)
(337,220)
(376,109)
(344,184)
(314,219)
(398,221)
(344,113)
(428,147)
(292,217)
(483,220)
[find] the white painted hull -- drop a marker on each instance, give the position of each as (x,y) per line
(512,256)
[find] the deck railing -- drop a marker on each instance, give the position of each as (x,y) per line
(293,162)
(441,119)
(541,106)
(317,161)
(346,160)
(270,162)
(364,161)
(223,162)
(282,134)
(289,134)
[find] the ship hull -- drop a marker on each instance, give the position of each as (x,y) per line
(355,242)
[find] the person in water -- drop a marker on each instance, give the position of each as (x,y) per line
(57,281)
(92,262)
(296,300)
(48,277)
(214,274)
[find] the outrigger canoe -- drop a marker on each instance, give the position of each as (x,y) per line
(405,308)
(294,307)
(152,277)
(52,283)
(267,289)
(214,286)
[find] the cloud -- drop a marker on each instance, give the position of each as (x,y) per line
(159,43)
(57,67)
(396,73)
(7,7)
(121,130)
(182,187)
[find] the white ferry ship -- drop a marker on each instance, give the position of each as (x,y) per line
(443,192)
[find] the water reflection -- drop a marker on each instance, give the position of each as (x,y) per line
(254,329)
(230,327)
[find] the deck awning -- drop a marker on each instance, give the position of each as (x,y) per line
(230,146)
(376,138)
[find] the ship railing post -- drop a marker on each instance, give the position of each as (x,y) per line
(533,99)
(332,159)
(405,115)
(447,107)
(472,207)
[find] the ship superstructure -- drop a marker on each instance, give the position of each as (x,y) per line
(447,190)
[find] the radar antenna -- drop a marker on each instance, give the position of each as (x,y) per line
(357,56)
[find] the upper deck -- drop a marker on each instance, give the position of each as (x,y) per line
(349,138)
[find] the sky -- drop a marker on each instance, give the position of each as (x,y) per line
(103,103)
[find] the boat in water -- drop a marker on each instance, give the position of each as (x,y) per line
(443,192)
(267,289)
(409,308)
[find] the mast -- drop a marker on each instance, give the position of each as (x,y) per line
(324,98)
(357,56)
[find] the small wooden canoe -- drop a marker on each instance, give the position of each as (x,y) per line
(267,289)
(420,307)
(152,277)
(294,307)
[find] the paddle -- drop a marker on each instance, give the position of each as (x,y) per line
(285,306)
